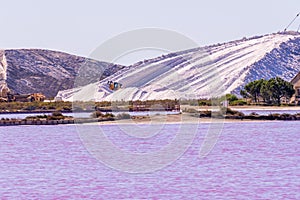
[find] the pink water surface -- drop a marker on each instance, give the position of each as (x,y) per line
(250,161)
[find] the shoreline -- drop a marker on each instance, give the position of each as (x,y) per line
(185,118)
(245,107)
(202,115)
(34,111)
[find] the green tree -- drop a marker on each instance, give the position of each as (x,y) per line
(228,97)
(231,97)
(252,90)
(279,88)
(244,94)
(265,92)
(271,90)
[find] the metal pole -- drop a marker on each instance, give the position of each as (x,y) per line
(291,22)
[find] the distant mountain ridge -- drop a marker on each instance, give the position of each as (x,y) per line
(201,72)
(46,71)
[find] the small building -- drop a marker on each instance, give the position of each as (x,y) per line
(37,97)
(296,83)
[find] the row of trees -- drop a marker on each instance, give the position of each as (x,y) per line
(270,91)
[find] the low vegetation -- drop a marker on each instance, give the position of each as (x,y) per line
(223,112)
(123,116)
(99,114)
(32,106)
(54,116)
(228,113)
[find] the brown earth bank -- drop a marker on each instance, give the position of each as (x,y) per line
(159,119)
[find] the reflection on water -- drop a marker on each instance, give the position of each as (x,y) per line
(251,160)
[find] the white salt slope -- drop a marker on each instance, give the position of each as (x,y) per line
(200,73)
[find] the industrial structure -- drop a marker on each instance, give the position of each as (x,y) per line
(292,23)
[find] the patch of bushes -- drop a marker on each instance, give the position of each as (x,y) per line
(54,116)
(230,97)
(224,112)
(253,114)
(5,119)
(239,102)
(30,108)
(205,113)
(57,115)
(273,116)
(99,114)
(109,115)
(123,116)
(228,111)
(204,102)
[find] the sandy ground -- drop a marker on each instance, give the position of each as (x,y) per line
(184,118)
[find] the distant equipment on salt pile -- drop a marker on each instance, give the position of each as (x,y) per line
(114,85)
(292,23)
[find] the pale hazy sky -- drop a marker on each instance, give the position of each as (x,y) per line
(78,27)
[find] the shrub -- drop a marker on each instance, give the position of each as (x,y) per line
(123,116)
(204,102)
(97,114)
(206,113)
(274,116)
(286,116)
(231,97)
(51,117)
(57,114)
(238,103)
(229,111)
(30,117)
(42,116)
(67,108)
(30,108)
(253,114)
(109,115)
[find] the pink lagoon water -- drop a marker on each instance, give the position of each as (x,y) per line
(251,160)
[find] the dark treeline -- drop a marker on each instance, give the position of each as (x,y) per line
(270,91)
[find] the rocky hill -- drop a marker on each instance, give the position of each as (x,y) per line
(47,72)
(202,72)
